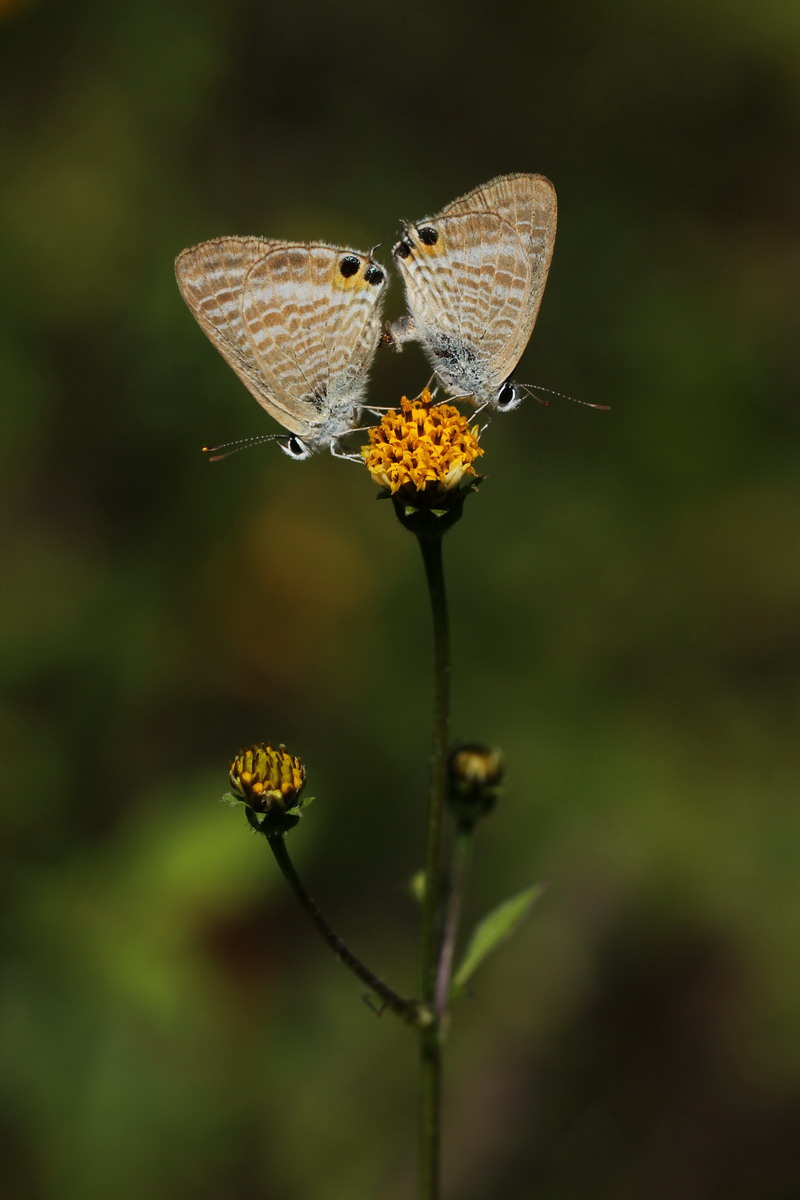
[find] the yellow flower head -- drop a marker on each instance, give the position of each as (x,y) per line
(425,449)
(266,778)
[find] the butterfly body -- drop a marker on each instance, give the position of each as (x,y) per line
(474,277)
(298,323)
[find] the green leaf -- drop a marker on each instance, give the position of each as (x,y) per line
(495,928)
(416,886)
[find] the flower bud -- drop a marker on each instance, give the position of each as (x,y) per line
(474,776)
(269,781)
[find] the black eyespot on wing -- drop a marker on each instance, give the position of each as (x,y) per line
(374,275)
(349,265)
(428,235)
(403,249)
(507,394)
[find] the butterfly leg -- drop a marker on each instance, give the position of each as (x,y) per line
(433,387)
(488,420)
(337,452)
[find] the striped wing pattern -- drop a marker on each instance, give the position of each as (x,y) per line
(298,331)
(475,291)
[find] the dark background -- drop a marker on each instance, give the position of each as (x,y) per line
(624,593)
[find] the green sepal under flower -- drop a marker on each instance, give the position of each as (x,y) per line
(275,820)
(433,515)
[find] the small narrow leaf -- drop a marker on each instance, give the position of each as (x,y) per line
(416,886)
(495,928)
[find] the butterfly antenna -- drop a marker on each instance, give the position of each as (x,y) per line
(226,449)
(532,389)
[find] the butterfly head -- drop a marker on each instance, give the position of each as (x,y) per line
(421,241)
(294,447)
(507,396)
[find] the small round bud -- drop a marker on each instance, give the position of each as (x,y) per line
(474,776)
(269,781)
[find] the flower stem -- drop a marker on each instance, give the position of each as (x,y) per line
(461,855)
(430,1037)
(430,1113)
(410,1011)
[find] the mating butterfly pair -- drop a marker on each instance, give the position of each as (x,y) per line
(300,323)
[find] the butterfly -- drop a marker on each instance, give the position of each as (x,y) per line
(474,276)
(299,323)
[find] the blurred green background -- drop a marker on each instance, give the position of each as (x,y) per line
(625,597)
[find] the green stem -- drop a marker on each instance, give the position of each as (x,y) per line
(461,855)
(432,558)
(430,1113)
(410,1011)
(430,1037)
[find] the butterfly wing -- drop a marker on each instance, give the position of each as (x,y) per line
(297,330)
(527,205)
(313,318)
(474,278)
(211,279)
